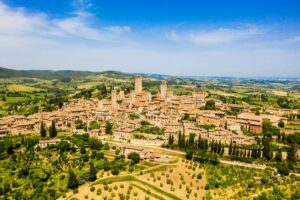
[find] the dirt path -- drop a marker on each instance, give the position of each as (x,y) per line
(180,154)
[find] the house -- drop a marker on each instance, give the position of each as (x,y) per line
(149,155)
(45,143)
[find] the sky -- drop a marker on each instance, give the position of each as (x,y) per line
(256,38)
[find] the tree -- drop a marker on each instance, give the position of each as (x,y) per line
(269,129)
(43,131)
(189,154)
(267,151)
(191,139)
(72,180)
(199,144)
(183,140)
(108,128)
(283,168)
(278,155)
(92,172)
(52,130)
(283,138)
(170,142)
(134,157)
(281,124)
(210,105)
(179,139)
(230,148)
(291,153)
(219,147)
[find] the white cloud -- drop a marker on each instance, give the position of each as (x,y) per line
(119,29)
(213,37)
(19,23)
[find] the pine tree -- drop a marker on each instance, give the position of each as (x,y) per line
(43,131)
(52,130)
(72,180)
(92,172)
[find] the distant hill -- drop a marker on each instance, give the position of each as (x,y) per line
(43,74)
(60,75)
(70,74)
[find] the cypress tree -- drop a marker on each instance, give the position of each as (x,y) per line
(279,136)
(233,150)
(291,153)
(212,144)
(245,152)
(72,180)
(43,131)
(206,145)
(170,139)
(53,131)
(199,142)
(283,138)
(258,152)
(230,148)
(179,139)
(219,147)
(248,154)
(253,154)
(222,151)
(92,172)
(278,155)
(183,140)
(267,152)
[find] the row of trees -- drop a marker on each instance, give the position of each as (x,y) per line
(52,130)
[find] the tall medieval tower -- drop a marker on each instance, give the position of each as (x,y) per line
(163,89)
(138,84)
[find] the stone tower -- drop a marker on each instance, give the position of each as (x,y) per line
(163,89)
(138,84)
(114,98)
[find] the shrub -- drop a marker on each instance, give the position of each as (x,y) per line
(199,176)
(92,189)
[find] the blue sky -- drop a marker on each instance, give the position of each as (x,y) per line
(209,38)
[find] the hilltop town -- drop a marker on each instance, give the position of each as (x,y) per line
(82,145)
(167,112)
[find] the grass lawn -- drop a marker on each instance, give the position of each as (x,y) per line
(16,99)
(297,126)
(22,88)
